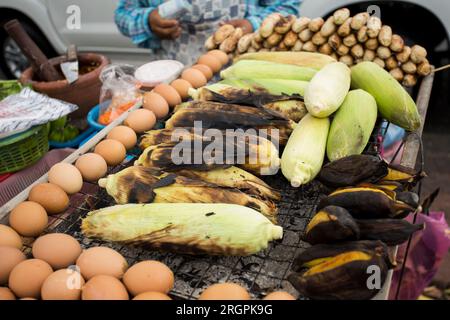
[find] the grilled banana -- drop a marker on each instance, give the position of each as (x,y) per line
(331,224)
(145,185)
(352,170)
(194,151)
(340,271)
(406,176)
(368,202)
(334,224)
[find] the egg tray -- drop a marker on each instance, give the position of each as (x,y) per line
(261,273)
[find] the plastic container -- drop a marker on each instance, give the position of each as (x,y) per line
(161,71)
(92,118)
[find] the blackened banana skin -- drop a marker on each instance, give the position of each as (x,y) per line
(320,251)
(345,281)
(353,170)
(367,203)
(330,225)
(391,231)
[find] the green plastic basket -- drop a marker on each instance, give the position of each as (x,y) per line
(23,149)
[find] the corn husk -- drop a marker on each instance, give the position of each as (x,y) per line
(254,69)
(188,228)
(394,103)
(352,125)
(327,89)
(305,151)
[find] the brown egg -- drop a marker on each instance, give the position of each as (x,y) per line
(67,176)
(211,61)
(64,284)
(125,135)
(52,197)
(152,296)
(168,93)
(207,72)
(57,249)
(148,276)
(9,258)
(225,291)
(9,237)
(182,86)
(27,277)
(6,294)
(29,219)
(101,260)
(194,77)
(92,166)
(219,54)
(156,103)
(141,120)
(112,151)
(104,287)
(279,295)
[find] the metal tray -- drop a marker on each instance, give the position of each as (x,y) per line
(259,273)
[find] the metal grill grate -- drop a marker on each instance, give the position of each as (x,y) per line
(260,273)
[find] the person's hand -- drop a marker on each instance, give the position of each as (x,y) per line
(244,24)
(163,28)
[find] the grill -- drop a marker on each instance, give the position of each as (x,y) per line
(260,273)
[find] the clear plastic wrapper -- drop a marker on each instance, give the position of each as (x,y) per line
(120,91)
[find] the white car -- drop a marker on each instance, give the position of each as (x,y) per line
(53,25)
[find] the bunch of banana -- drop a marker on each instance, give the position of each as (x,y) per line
(333,224)
(341,271)
(252,152)
(145,185)
(229,116)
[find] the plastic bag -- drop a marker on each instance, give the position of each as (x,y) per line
(427,250)
(26,109)
(120,91)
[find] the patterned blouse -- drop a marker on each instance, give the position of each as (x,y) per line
(131,16)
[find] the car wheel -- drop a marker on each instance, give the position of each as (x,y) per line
(12,61)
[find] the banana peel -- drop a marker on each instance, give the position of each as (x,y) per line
(340,271)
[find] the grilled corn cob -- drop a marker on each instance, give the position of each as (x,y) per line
(302,59)
(230,116)
(234,177)
(145,185)
(272,86)
(189,228)
(304,153)
(252,152)
(393,101)
(290,106)
(254,69)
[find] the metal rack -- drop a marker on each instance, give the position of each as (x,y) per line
(260,273)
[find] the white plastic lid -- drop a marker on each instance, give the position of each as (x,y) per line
(160,71)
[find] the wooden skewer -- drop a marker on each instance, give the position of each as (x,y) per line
(441,68)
